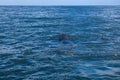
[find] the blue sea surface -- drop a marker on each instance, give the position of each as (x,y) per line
(30,48)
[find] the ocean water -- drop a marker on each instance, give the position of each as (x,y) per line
(30,48)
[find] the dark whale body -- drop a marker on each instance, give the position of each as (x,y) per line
(64,37)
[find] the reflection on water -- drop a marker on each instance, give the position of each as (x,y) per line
(30,47)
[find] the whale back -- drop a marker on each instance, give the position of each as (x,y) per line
(63,37)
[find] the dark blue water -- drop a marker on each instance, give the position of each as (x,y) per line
(30,48)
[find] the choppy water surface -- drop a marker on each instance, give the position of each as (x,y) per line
(30,49)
